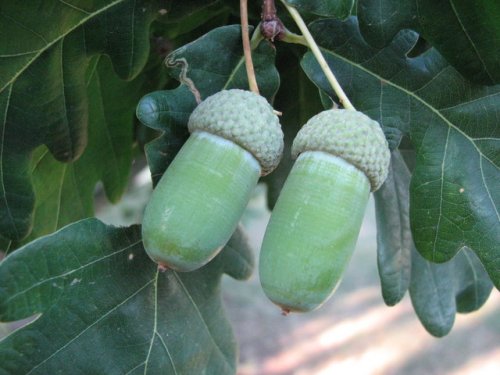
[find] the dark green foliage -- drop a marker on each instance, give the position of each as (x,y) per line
(44,86)
(99,295)
(466,33)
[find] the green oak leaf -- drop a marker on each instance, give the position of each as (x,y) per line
(431,286)
(432,294)
(326,8)
(472,285)
(43,92)
(394,240)
(101,306)
(437,291)
(466,33)
(193,64)
(65,191)
(452,124)
(200,76)
(167,111)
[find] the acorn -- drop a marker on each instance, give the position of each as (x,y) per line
(341,155)
(197,204)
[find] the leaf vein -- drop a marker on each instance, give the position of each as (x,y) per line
(155,331)
(64,34)
(74,7)
(90,326)
(198,312)
(469,102)
(134,368)
(475,277)
(410,94)
(233,73)
(19,54)
(486,186)
(24,27)
(71,271)
(470,40)
(441,196)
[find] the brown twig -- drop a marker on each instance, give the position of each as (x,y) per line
(271,26)
(247,50)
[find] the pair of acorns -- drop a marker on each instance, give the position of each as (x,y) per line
(341,156)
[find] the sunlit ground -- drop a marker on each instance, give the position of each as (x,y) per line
(354,332)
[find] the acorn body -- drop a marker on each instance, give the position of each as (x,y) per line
(313,230)
(209,171)
(341,157)
(197,204)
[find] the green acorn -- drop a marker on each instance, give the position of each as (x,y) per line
(341,156)
(197,204)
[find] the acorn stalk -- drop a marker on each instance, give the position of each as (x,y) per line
(197,204)
(341,156)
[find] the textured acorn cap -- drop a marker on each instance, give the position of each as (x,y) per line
(350,135)
(245,118)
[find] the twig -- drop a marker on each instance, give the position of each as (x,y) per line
(344,100)
(271,26)
(252,80)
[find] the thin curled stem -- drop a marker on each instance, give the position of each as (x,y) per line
(344,100)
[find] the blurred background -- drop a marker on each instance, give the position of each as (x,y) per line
(353,333)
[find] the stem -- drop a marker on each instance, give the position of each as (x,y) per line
(289,37)
(344,100)
(268,9)
(252,80)
(257,37)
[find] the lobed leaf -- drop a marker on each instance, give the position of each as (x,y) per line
(64,191)
(466,33)
(43,91)
(167,111)
(195,66)
(102,307)
(437,291)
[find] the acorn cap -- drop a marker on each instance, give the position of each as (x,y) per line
(350,135)
(245,118)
